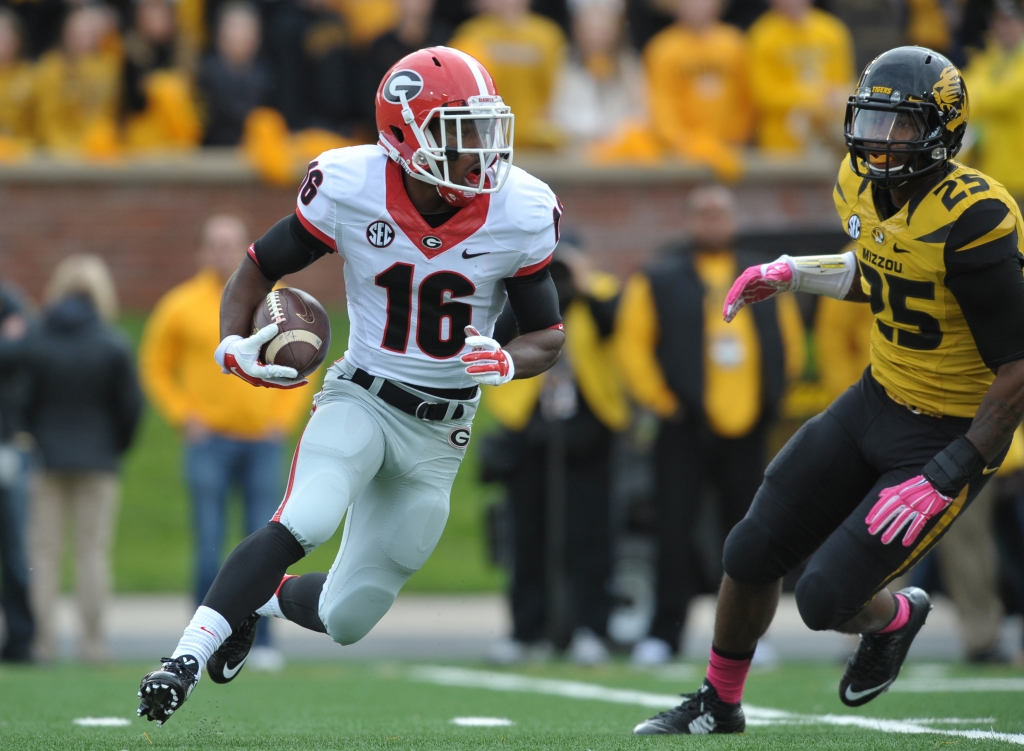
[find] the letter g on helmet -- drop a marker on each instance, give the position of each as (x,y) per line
(407,82)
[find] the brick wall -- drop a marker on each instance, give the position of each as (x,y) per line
(147,230)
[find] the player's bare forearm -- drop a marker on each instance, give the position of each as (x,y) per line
(243,293)
(1000,412)
(856,292)
(535,352)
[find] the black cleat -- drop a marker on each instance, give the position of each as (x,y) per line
(164,691)
(879,657)
(227,661)
(699,714)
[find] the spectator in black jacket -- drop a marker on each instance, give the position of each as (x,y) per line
(418,27)
(15,447)
(233,81)
(84,404)
(313,65)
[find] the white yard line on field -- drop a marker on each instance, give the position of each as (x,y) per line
(101,722)
(481,722)
(756,716)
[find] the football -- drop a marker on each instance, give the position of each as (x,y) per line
(305,331)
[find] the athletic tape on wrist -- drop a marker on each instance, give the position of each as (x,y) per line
(830,276)
(954,467)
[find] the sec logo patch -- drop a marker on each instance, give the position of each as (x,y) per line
(459,438)
(380,234)
(853,226)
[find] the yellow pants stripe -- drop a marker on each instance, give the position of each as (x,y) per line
(947,518)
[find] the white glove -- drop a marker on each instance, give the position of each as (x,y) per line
(488,363)
(242,358)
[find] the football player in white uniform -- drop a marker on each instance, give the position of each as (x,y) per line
(437,230)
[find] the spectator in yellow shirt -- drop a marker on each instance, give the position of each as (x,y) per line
(368,19)
(15,89)
(715,386)
(801,72)
(842,343)
(524,53)
(77,88)
(233,433)
(995,79)
(697,75)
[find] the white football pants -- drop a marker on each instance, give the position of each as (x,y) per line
(393,474)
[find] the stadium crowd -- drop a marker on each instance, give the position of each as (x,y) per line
(631,80)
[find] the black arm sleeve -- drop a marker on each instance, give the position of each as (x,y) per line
(534,301)
(505,328)
(986,280)
(286,248)
(992,300)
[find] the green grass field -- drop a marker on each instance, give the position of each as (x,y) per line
(153,545)
(404,706)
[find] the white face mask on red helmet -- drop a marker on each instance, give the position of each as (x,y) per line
(436,105)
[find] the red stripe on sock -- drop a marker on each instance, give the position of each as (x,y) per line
(902,615)
(286,577)
(728,677)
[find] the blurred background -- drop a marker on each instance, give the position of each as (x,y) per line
(145,143)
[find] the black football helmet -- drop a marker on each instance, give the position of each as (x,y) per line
(907,118)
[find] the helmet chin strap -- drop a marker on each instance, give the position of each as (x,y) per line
(421,140)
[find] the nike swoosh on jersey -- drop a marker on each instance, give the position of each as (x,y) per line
(230,673)
(467,255)
(989,470)
(898,249)
(854,695)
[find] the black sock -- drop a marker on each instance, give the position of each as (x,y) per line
(300,600)
(252,573)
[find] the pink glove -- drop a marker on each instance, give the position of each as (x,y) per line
(755,284)
(913,502)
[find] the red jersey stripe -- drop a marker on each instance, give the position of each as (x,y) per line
(431,241)
(527,270)
(326,239)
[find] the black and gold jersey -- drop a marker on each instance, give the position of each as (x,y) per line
(926,267)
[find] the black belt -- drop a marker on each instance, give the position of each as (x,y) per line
(407,401)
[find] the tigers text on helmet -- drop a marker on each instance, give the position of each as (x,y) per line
(434,106)
(907,118)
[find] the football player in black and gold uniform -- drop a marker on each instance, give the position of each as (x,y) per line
(865,489)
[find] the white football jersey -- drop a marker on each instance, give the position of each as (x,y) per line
(411,288)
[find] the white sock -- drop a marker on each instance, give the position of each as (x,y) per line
(272,609)
(204,634)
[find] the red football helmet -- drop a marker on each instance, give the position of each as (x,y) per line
(436,104)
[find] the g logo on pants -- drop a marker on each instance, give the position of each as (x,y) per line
(459,438)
